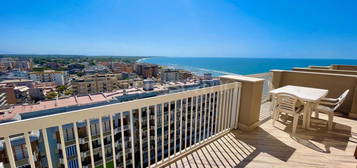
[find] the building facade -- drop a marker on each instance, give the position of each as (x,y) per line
(146,70)
(8,64)
(170,75)
(148,84)
(19,149)
(98,83)
(17,91)
(59,77)
(118,67)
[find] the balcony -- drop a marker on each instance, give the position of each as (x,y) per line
(240,134)
(269,146)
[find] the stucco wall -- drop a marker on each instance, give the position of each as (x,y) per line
(344,67)
(334,71)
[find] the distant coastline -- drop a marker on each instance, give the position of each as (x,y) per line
(243,66)
(141,60)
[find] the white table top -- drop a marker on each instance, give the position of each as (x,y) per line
(304,93)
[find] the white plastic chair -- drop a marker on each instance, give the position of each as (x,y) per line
(288,104)
(329,106)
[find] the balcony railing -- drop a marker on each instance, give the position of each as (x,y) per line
(212,111)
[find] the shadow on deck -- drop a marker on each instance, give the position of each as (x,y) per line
(269,146)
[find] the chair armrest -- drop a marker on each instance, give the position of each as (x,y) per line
(328,103)
(331,100)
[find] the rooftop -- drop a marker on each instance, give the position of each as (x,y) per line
(65,102)
(16,80)
(46,72)
(21,88)
(83,100)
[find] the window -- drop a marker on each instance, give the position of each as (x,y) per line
(71,151)
(68,134)
(106,126)
(94,129)
(20,152)
(73,163)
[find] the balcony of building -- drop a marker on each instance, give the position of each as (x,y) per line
(268,146)
(275,146)
(222,126)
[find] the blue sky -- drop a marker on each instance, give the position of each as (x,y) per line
(201,28)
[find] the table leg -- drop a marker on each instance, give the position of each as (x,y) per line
(308,117)
(308,123)
(305,113)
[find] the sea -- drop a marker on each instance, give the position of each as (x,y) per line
(243,66)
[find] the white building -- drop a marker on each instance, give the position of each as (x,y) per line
(170,75)
(207,76)
(59,77)
(148,84)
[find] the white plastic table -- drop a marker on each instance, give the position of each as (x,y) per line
(311,96)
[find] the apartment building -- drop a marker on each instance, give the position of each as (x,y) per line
(17,90)
(118,67)
(41,89)
(148,84)
(18,82)
(174,75)
(16,74)
(169,75)
(8,64)
(59,77)
(15,94)
(95,69)
(20,151)
(97,83)
(146,70)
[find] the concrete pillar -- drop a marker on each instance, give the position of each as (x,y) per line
(250,100)
(276,78)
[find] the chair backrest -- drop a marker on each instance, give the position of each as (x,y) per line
(341,99)
(286,102)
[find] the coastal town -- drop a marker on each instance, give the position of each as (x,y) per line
(39,85)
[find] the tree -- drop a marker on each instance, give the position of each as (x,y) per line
(51,95)
(61,88)
(80,73)
(68,92)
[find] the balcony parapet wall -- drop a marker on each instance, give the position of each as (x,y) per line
(250,100)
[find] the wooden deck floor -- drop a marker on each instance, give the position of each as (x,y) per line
(269,146)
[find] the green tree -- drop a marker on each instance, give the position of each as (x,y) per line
(51,95)
(61,88)
(68,92)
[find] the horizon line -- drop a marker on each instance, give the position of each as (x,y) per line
(97,55)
